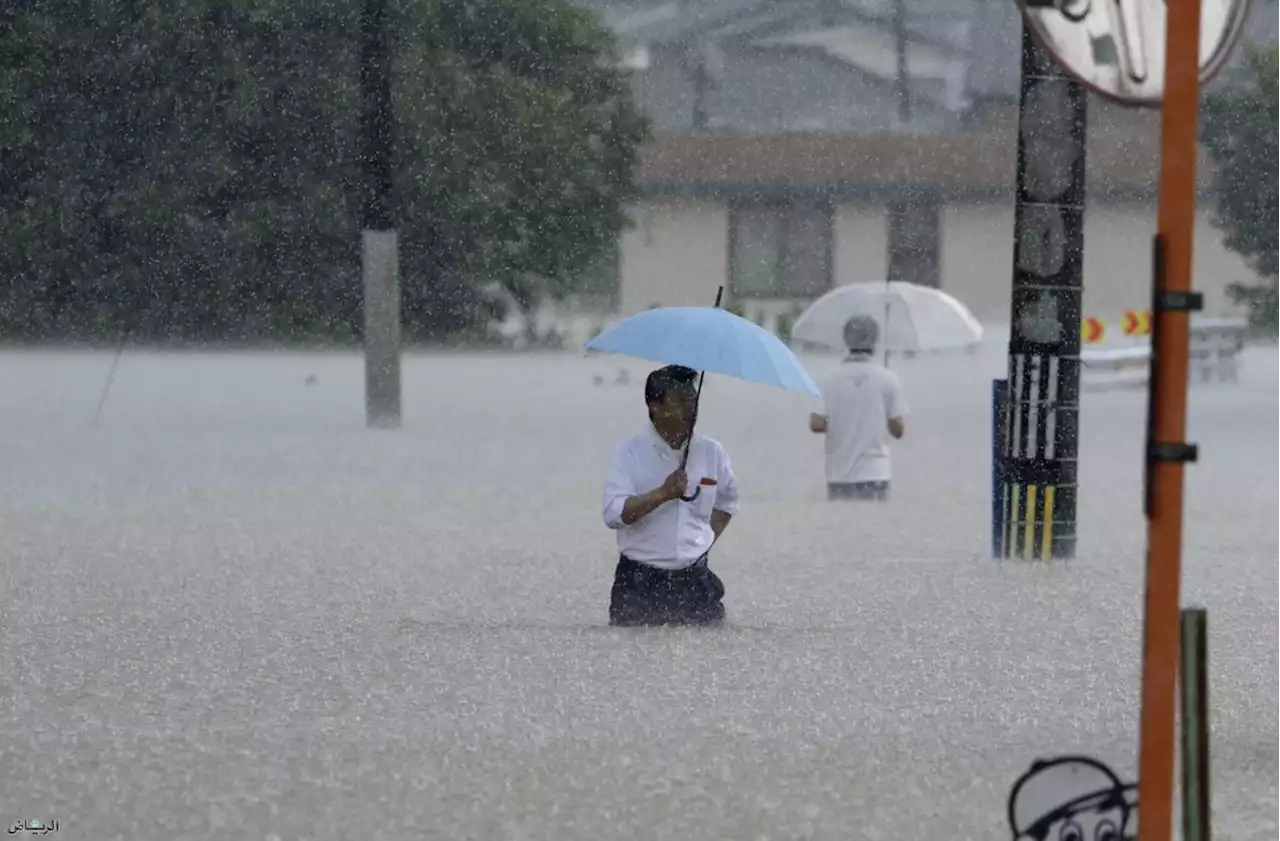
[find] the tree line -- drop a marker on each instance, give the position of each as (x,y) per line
(1240,123)
(190,170)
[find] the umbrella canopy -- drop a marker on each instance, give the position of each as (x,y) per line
(911,317)
(708,339)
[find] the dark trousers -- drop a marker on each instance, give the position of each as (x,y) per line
(858,490)
(645,595)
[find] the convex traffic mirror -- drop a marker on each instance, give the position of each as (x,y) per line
(1117,47)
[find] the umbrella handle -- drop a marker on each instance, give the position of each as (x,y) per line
(696,493)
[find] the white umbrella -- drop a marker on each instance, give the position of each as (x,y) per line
(911,317)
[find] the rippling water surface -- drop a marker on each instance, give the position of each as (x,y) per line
(231,611)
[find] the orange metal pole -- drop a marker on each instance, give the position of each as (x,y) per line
(1175,224)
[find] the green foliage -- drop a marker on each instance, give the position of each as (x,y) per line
(785,323)
(782,326)
(1263,304)
(1239,127)
(191,169)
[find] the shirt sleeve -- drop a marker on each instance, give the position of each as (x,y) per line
(726,486)
(619,486)
(895,401)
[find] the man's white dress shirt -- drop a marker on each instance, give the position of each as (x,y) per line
(859,398)
(676,533)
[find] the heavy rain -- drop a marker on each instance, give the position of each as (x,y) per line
(302,451)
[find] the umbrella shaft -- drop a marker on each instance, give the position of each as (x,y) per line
(688,439)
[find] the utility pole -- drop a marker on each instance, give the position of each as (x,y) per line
(700,55)
(903,78)
(379,264)
(1042,430)
(701,84)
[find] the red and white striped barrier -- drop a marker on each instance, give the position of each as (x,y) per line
(1215,355)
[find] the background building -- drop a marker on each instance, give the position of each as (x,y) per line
(801,144)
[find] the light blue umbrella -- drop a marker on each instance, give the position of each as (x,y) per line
(707,339)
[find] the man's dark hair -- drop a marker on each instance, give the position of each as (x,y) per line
(659,382)
(861,333)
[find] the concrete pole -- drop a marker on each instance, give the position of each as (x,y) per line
(1038,466)
(380,261)
(902,82)
(381,274)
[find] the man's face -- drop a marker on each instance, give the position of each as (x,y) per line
(677,405)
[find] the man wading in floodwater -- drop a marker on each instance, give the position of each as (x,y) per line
(863,407)
(665,530)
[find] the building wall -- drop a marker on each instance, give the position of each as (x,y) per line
(861,234)
(977,252)
(677,254)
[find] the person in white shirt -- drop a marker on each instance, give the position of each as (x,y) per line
(863,406)
(665,531)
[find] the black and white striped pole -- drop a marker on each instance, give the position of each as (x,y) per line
(1040,440)
(380,260)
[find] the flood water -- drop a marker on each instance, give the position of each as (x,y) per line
(231,611)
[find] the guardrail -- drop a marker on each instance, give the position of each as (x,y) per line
(1216,344)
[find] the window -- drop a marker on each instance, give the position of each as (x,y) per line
(780,250)
(913,241)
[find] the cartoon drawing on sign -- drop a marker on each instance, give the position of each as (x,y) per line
(1072,798)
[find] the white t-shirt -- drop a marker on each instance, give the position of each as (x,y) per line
(859,399)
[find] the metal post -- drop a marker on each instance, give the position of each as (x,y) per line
(1043,392)
(701,86)
(903,80)
(380,263)
(1195,725)
(997,486)
(1167,450)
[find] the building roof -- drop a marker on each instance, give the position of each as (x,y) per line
(1122,160)
(779,88)
(957,50)
(802,96)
